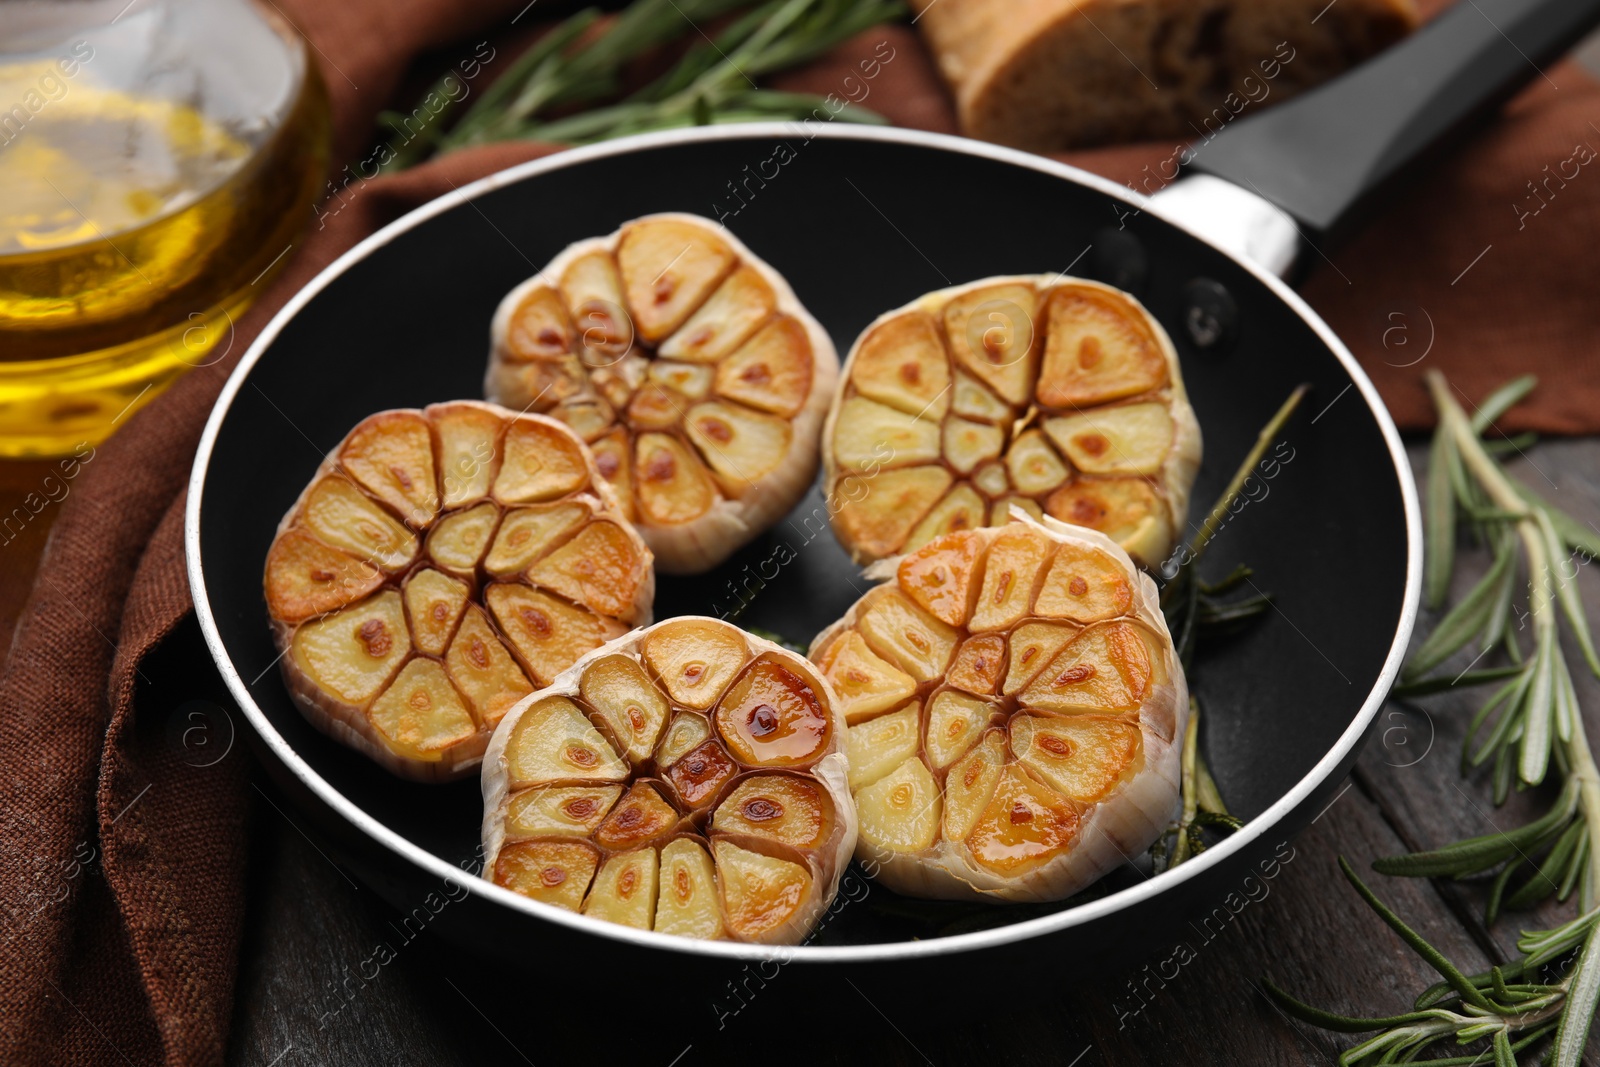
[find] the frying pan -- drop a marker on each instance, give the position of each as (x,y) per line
(860,220)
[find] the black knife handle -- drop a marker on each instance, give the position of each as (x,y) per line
(1321,155)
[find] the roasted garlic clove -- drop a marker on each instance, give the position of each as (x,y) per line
(765,898)
(688,904)
(689,367)
(788,809)
(699,777)
(1032,745)
(688,778)
(879,745)
(864,682)
(555,872)
(772,717)
(870,436)
(314,578)
(970,783)
(979,664)
(391,457)
(624,890)
(1055,394)
(900,812)
(686,733)
(337,513)
(741,446)
(642,817)
(894,628)
(420,715)
(442,565)
(874,515)
(555,742)
(560,811)
(351,653)
(901,363)
(634,710)
(955,721)
(434,605)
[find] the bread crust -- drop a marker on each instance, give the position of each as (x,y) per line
(1052,75)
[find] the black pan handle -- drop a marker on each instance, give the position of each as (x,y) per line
(1321,155)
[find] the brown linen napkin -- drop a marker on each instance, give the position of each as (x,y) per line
(121,863)
(122,872)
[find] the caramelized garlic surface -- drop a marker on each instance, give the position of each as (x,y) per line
(688,778)
(441,565)
(690,368)
(1016,713)
(1057,395)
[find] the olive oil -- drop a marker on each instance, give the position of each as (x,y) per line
(134,231)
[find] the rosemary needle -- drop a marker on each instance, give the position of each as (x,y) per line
(569,87)
(1194,607)
(1526,729)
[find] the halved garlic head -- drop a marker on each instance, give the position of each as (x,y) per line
(688,779)
(1016,713)
(688,366)
(1059,395)
(442,565)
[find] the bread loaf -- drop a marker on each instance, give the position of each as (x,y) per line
(1049,75)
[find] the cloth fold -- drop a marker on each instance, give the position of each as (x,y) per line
(123,856)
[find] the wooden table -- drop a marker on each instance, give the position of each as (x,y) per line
(309,927)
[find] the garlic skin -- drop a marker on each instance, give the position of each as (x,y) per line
(391,580)
(735,742)
(1050,774)
(735,371)
(1059,395)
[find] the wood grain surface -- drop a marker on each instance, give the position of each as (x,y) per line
(304,997)
(309,927)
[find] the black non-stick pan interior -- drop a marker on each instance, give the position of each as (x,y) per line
(858,227)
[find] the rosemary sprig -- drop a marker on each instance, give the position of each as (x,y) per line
(713,82)
(1202,804)
(1530,723)
(1194,607)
